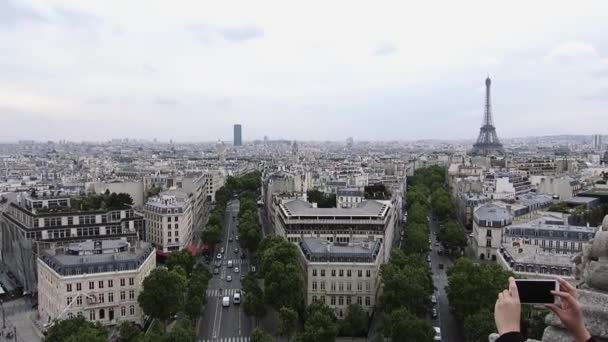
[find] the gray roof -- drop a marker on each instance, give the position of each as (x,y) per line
(367,208)
(582,200)
(553,223)
(492,212)
(349,192)
(320,250)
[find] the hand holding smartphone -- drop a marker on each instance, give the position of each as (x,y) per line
(537,291)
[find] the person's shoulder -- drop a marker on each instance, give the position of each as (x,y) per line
(513,336)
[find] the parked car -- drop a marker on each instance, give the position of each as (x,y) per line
(216,270)
(230,263)
(218,263)
(428,258)
(229,278)
(441,266)
(433,299)
(222,250)
(236,250)
(437,336)
(434,313)
(219,256)
(236,270)
(230,239)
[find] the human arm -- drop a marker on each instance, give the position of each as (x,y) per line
(507,313)
(570,311)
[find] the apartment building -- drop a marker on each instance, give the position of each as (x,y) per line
(169,221)
(214,181)
(339,275)
(489,220)
(33,222)
(506,185)
(96,279)
(349,197)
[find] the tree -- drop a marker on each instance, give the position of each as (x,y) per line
(416,238)
(129,332)
(479,326)
(284,285)
(212,235)
(181,258)
(481,282)
(560,207)
(442,204)
(288,319)
(181,332)
(162,295)
(401,323)
(320,325)
(253,301)
(453,237)
(322,200)
(259,335)
(76,330)
(355,323)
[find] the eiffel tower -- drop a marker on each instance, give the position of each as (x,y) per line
(487,143)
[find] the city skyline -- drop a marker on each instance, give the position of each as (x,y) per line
(409,73)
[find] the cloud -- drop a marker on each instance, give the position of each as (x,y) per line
(384,49)
(76,19)
(234,34)
(149,68)
(166,101)
(570,52)
(13,14)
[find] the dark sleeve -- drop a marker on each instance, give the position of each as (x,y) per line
(513,336)
(591,340)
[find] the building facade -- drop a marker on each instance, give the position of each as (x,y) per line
(489,222)
(169,221)
(238,135)
(99,280)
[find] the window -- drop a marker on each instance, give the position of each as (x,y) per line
(78,287)
(359,286)
(322,273)
(341,300)
(123,311)
(123,295)
(322,285)
(79,300)
(132,310)
(314,299)
(348,286)
(111,297)
(348,300)
(360,273)
(92,315)
(333,286)
(122,281)
(368,273)
(131,294)
(110,283)
(131,281)
(69,287)
(68,300)
(100,285)
(314,272)
(367,285)
(333,300)
(333,273)
(368,301)
(341,286)
(314,285)
(169,219)
(341,273)
(348,273)
(101,298)
(323,299)
(176,228)
(70,315)
(91,285)
(359,300)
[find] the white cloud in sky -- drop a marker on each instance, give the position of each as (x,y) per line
(284,68)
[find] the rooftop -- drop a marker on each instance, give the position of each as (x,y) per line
(553,223)
(367,208)
(319,250)
(494,213)
(530,254)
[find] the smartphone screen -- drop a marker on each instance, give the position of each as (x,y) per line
(536,291)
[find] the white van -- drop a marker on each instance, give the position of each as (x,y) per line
(230,263)
(236,299)
(437,336)
(226,301)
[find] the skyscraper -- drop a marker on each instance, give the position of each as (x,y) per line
(487,143)
(237,135)
(597,142)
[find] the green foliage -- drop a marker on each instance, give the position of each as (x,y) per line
(408,284)
(129,332)
(559,207)
(442,204)
(377,192)
(453,237)
(76,330)
(106,200)
(259,335)
(402,325)
(320,325)
(356,321)
(181,258)
(417,238)
(322,200)
(481,282)
(212,235)
(594,217)
(250,231)
(181,332)
(478,326)
(253,300)
(162,295)
(288,320)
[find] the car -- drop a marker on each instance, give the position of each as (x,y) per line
(433,299)
(236,250)
(230,239)
(236,299)
(229,278)
(437,336)
(436,244)
(430,240)
(222,250)
(226,301)
(236,238)
(440,251)
(441,266)
(252,269)
(216,270)
(230,263)
(236,270)
(434,313)
(428,258)
(218,263)
(219,256)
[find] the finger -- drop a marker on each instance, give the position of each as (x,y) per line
(513,288)
(556,309)
(565,296)
(566,287)
(500,296)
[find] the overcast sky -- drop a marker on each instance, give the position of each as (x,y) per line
(305,70)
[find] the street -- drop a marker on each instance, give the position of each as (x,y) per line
(450,329)
(218,323)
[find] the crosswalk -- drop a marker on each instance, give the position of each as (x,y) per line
(226,339)
(237,262)
(217,293)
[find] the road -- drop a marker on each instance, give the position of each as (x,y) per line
(226,324)
(450,329)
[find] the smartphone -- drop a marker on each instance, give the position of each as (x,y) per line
(536,291)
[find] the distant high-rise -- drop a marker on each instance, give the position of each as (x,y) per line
(597,142)
(237,135)
(487,143)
